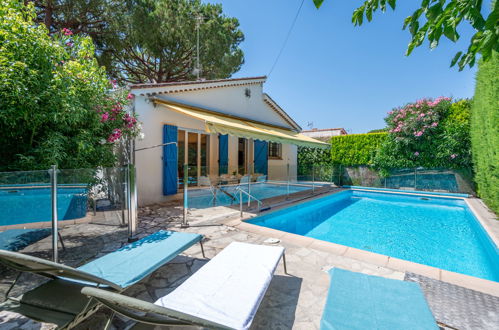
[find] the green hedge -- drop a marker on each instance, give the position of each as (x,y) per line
(485,132)
(355,149)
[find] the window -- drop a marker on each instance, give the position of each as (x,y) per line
(275,150)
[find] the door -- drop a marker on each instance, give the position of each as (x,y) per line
(170,176)
(223,154)
(260,157)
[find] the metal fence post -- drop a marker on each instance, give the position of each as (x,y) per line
(131,180)
(185,223)
(287,176)
(313,179)
(249,185)
(241,202)
(415,178)
(340,174)
(55,232)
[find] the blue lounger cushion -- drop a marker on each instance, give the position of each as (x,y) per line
(360,301)
(135,261)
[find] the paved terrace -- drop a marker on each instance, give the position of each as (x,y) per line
(293,301)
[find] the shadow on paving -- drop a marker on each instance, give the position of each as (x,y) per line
(82,245)
(277,310)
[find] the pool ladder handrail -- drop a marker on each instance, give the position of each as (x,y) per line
(259,202)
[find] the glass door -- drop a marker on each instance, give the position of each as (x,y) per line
(204,155)
(241,156)
(193,151)
(192,158)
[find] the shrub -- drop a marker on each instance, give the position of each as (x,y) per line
(308,156)
(356,149)
(428,133)
(485,132)
(55,101)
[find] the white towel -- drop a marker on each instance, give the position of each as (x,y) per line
(229,288)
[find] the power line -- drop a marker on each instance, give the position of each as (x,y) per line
(287,37)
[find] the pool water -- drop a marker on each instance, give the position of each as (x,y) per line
(26,205)
(204,198)
(438,232)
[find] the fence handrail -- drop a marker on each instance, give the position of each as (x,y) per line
(259,202)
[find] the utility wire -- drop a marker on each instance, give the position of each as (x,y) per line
(287,37)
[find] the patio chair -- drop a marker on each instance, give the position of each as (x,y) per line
(245,179)
(224,294)
(60,301)
(360,301)
(204,181)
(261,178)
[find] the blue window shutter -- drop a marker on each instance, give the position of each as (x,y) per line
(170,160)
(261,156)
(223,154)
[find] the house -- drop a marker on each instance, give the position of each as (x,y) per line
(324,134)
(217,127)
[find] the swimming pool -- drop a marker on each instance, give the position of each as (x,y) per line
(20,205)
(439,232)
(204,198)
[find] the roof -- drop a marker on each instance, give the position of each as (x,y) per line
(201,84)
(324,129)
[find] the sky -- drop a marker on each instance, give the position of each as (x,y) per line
(333,74)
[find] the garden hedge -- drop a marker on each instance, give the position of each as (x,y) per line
(355,149)
(485,132)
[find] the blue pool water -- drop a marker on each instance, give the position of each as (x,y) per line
(438,232)
(25,205)
(203,198)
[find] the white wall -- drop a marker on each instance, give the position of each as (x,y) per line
(278,167)
(229,100)
(149,162)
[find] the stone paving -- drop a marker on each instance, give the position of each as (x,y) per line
(293,301)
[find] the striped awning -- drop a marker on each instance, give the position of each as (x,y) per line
(236,126)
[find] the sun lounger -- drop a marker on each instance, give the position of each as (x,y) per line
(360,301)
(60,301)
(224,294)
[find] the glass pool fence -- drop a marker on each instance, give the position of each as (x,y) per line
(253,188)
(66,215)
(233,186)
(419,179)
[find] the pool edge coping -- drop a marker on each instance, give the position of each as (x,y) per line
(466,281)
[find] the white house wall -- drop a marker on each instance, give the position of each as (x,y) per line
(229,100)
(277,169)
(149,162)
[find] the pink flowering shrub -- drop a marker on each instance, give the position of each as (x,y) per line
(115,116)
(426,133)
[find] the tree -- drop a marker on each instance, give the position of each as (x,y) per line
(141,41)
(55,100)
(435,18)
